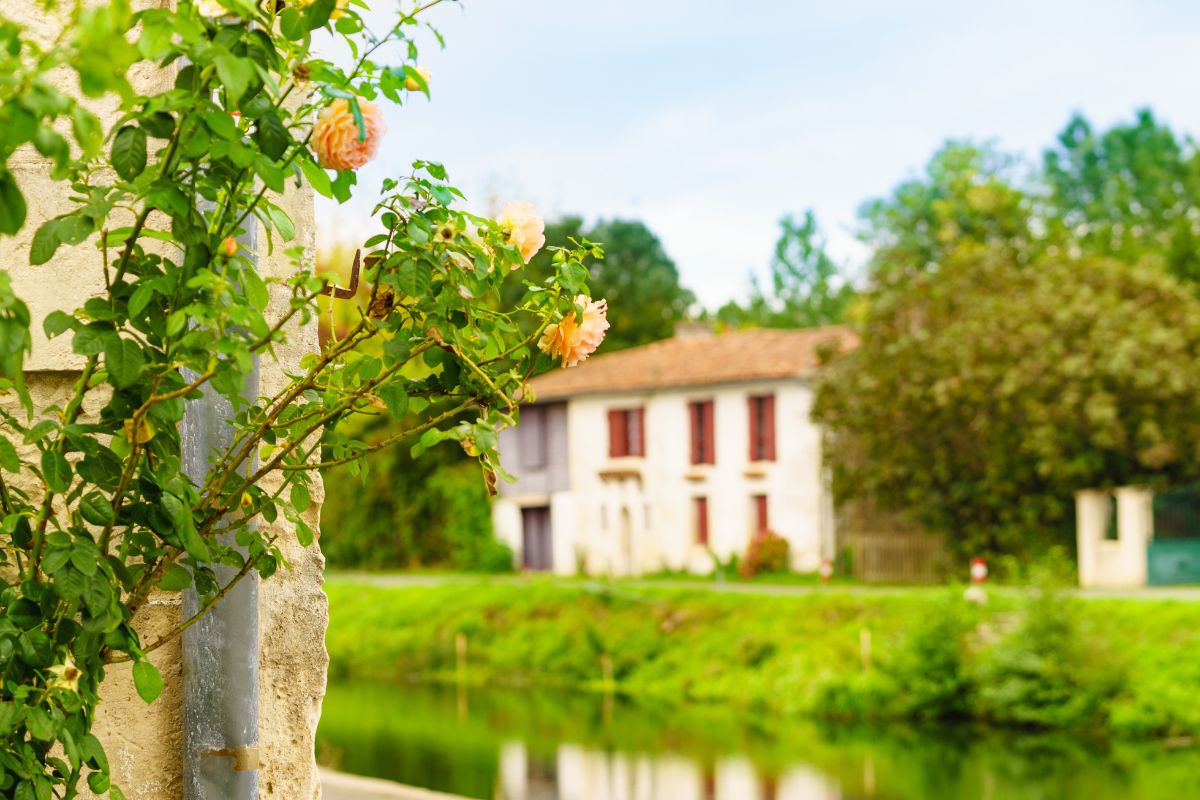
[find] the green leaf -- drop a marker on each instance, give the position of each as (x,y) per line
(396,400)
(98,782)
(160,125)
(282,222)
(304,534)
(56,471)
(272,135)
(124,361)
(114,793)
(236,73)
(222,125)
(129,152)
(57,323)
(185,526)
(86,127)
(301,499)
(12,204)
(39,724)
(69,229)
(414,277)
(9,460)
(319,13)
(147,680)
(70,583)
(140,299)
(256,290)
(95,509)
(291,24)
(175,579)
(317,177)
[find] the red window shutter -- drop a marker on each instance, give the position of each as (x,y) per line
(752,402)
(637,442)
(761,521)
(701,520)
(618,437)
(710,443)
(694,431)
(768,423)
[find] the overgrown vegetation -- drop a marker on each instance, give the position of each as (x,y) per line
(1034,659)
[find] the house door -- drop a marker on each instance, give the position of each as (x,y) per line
(535,539)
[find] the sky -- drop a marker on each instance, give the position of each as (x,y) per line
(711,120)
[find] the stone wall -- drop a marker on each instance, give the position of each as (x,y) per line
(144,743)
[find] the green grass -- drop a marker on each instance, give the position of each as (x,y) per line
(1131,666)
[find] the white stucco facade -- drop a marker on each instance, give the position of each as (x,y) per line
(635,514)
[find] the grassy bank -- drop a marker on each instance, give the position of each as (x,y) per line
(1130,666)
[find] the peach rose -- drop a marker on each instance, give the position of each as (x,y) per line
(525,228)
(337,139)
(573,342)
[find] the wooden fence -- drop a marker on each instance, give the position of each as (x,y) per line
(889,557)
(888,546)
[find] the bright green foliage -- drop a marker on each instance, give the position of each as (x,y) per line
(161,195)
(637,277)
(1130,192)
(985,394)
(807,287)
(1043,673)
(406,513)
(1129,663)
(969,197)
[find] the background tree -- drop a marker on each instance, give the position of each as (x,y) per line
(970,197)
(984,395)
(1131,192)
(807,287)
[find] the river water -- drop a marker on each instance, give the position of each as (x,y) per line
(545,745)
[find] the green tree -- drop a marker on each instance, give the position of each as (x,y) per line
(1131,192)
(968,198)
(984,395)
(807,287)
(638,278)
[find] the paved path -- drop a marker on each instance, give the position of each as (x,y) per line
(1189,593)
(340,786)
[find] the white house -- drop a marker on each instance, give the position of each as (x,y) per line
(650,458)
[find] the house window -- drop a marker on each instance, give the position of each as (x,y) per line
(532,437)
(758,508)
(762,427)
(700,416)
(700,520)
(626,432)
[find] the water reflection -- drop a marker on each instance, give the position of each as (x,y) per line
(580,773)
(541,745)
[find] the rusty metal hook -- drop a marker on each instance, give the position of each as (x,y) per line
(345,294)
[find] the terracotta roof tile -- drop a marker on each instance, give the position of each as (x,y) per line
(695,360)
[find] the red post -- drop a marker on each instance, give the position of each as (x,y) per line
(979,570)
(826,570)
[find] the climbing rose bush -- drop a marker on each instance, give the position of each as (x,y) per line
(96,511)
(577,335)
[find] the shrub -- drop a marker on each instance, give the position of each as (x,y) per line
(1043,673)
(930,665)
(767,552)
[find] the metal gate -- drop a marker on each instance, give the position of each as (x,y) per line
(1173,555)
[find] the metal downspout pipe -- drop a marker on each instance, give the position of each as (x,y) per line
(220,651)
